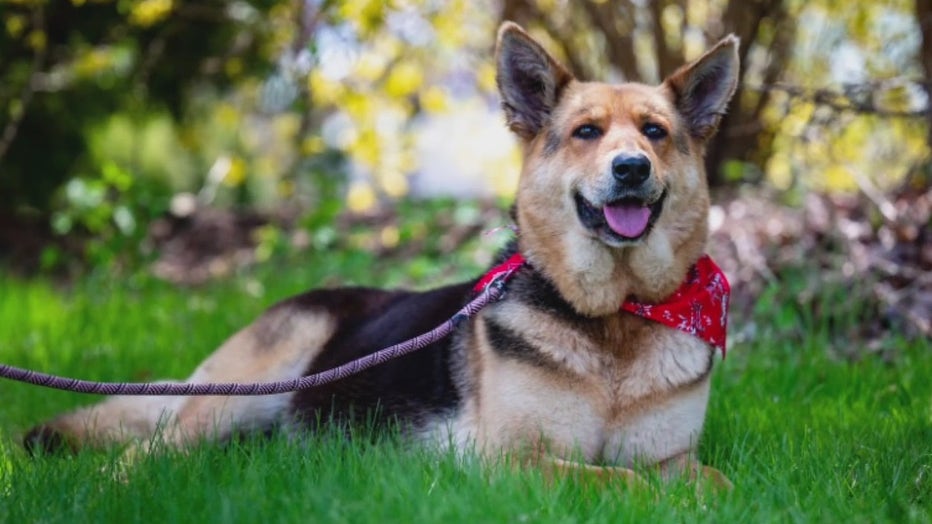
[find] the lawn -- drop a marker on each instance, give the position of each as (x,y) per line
(804,434)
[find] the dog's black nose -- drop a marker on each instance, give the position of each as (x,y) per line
(631,170)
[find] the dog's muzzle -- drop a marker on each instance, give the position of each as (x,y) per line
(629,208)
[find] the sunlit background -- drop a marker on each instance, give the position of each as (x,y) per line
(113,113)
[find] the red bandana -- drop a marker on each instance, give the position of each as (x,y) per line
(699,307)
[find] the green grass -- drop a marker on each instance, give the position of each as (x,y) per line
(803,434)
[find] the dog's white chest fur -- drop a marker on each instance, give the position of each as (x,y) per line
(644,413)
(659,433)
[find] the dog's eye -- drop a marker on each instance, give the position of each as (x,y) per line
(653,131)
(587,132)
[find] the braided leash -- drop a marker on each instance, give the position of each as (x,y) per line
(492,292)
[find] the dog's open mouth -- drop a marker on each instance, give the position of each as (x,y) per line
(622,220)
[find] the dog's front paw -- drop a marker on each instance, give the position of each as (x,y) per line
(553,467)
(685,466)
(709,476)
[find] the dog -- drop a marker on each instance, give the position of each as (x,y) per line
(611,209)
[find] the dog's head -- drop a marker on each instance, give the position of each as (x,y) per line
(613,189)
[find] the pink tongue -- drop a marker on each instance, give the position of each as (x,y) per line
(628,220)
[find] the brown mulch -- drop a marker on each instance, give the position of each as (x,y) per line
(877,252)
(23,239)
(206,244)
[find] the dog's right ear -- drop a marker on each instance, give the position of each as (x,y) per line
(529,80)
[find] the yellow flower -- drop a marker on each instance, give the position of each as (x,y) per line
(485,77)
(370,66)
(838,178)
(150,12)
(389,236)
(227,114)
(237,172)
(434,100)
(404,79)
(37,40)
(15,24)
(323,90)
(312,145)
(361,197)
(393,182)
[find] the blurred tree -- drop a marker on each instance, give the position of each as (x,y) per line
(70,65)
(105,105)
(245,86)
(788,48)
(848,109)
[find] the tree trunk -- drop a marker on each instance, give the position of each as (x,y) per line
(526,12)
(739,136)
(617,27)
(667,59)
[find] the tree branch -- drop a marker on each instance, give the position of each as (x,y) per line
(667,59)
(856,98)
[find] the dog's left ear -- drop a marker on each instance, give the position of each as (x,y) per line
(529,80)
(703,88)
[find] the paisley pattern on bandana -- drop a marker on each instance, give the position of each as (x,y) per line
(699,307)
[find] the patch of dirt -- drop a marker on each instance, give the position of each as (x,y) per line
(24,239)
(206,244)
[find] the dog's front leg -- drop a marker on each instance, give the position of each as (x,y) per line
(553,467)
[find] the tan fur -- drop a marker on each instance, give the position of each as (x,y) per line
(595,279)
(609,392)
(278,346)
(602,402)
(627,391)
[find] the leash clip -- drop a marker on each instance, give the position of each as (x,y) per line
(499,282)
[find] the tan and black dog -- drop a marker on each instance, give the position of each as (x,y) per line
(611,206)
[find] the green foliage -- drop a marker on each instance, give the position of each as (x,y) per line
(74,64)
(112,209)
